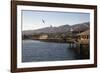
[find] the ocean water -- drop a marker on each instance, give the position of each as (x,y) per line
(35,51)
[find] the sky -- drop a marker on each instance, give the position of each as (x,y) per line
(32,20)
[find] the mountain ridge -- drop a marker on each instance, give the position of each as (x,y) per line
(60,29)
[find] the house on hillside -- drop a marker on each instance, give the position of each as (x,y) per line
(84,37)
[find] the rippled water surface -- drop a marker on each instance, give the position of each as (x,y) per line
(34,51)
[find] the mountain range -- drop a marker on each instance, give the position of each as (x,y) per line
(60,29)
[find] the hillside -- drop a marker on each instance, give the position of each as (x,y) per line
(60,29)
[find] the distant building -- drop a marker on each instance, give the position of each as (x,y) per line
(84,37)
(50,26)
(43,36)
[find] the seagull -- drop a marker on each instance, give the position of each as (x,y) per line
(43,21)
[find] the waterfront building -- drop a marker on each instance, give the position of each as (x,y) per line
(43,36)
(84,37)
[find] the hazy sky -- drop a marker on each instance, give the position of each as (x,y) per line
(38,19)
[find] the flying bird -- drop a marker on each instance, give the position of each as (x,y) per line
(43,21)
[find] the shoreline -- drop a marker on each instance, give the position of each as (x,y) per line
(53,40)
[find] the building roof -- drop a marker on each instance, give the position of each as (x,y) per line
(87,32)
